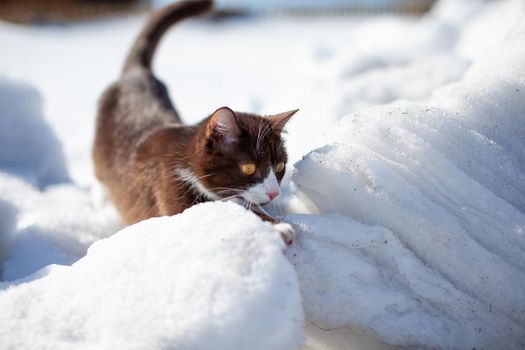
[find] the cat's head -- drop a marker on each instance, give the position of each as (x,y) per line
(242,155)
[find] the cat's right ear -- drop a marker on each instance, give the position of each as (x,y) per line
(223,127)
(278,121)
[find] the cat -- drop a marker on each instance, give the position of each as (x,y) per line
(151,164)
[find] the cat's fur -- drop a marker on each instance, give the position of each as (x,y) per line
(153,165)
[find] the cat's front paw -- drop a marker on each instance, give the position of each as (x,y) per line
(287,232)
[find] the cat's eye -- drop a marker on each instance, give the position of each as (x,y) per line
(279,167)
(248,168)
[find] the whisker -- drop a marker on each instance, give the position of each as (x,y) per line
(258,142)
(226,189)
(230,197)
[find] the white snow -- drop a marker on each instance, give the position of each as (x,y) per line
(433,201)
(409,210)
(192,281)
(38,159)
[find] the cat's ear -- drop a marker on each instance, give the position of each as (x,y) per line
(223,126)
(278,121)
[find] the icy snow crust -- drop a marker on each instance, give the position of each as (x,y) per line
(430,247)
(192,281)
(410,216)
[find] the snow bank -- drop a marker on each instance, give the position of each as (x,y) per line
(430,248)
(213,277)
(28,146)
(52,226)
(386,59)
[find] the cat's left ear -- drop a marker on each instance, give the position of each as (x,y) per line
(278,121)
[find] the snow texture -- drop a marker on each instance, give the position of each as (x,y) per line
(189,282)
(409,210)
(430,248)
(38,231)
(386,59)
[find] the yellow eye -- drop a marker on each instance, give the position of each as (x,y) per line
(248,169)
(279,167)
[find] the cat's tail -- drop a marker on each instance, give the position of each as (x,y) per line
(141,53)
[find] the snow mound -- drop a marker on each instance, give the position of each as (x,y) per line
(37,229)
(28,146)
(191,281)
(430,251)
(387,59)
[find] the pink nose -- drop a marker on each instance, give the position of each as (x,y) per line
(272,195)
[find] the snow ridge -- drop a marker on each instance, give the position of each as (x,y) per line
(437,188)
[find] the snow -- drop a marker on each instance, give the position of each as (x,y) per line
(38,156)
(409,209)
(432,198)
(42,231)
(187,275)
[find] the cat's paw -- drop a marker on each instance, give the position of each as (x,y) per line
(287,232)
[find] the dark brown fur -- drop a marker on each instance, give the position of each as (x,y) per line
(140,139)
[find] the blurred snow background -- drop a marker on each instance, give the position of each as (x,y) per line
(408,191)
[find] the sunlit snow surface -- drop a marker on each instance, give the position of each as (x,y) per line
(193,281)
(410,215)
(440,186)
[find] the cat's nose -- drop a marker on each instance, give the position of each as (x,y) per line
(272,194)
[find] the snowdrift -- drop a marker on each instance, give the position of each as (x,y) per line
(28,146)
(429,247)
(36,230)
(385,59)
(213,277)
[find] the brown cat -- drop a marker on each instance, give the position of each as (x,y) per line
(153,165)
